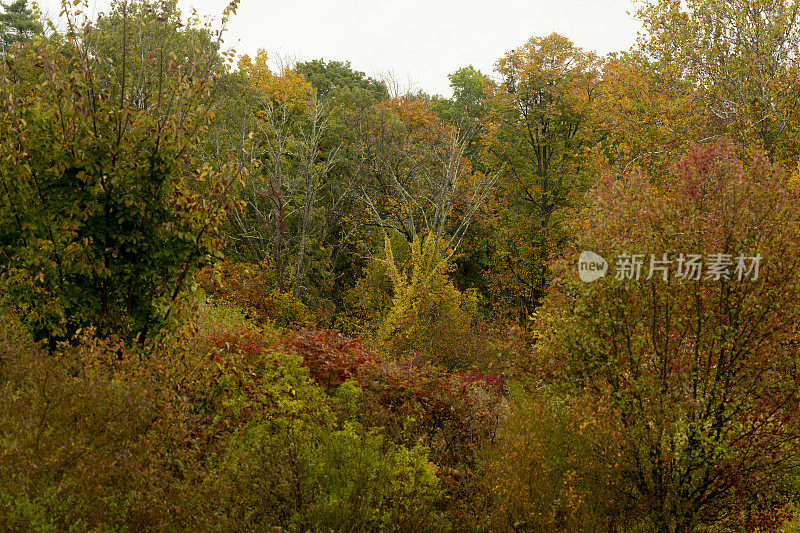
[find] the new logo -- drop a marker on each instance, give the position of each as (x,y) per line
(591,266)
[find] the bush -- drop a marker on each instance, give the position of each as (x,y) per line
(287,460)
(454,414)
(557,466)
(191,434)
(312,479)
(331,357)
(253,289)
(416,401)
(89,439)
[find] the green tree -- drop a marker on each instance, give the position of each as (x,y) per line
(98,219)
(17,24)
(328,76)
(141,38)
(540,128)
(467,106)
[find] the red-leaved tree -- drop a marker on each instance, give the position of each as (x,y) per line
(700,369)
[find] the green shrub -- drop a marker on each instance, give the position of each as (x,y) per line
(310,478)
(291,465)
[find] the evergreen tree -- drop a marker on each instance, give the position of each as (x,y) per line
(17,23)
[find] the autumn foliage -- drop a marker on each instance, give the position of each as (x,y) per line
(253,294)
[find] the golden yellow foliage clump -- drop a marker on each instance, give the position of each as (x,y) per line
(289,88)
(425,304)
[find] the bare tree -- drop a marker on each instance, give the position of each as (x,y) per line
(285,175)
(396,87)
(311,179)
(432,181)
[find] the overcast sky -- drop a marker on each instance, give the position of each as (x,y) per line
(421,41)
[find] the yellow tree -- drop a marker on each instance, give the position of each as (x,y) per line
(646,116)
(426,307)
(743,57)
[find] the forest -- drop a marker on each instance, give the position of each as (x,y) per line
(242,293)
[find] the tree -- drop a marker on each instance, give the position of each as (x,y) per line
(417,189)
(742,56)
(469,90)
(646,116)
(288,154)
(424,300)
(327,77)
(155,31)
(467,107)
(539,129)
(698,364)
(418,181)
(99,223)
(17,24)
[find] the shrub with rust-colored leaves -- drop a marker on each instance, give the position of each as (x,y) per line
(331,357)
(455,416)
(452,415)
(253,289)
(492,381)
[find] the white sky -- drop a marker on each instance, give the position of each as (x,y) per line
(420,41)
